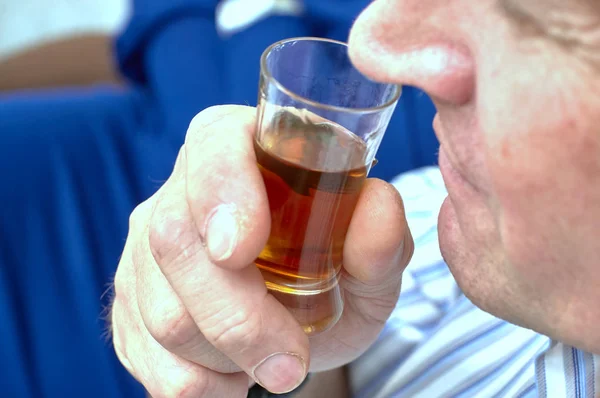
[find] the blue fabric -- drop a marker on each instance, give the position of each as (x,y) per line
(70,179)
(75,163)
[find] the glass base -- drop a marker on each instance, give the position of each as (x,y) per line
(316,305)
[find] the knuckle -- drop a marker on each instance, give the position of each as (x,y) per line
(115,329)
(171,326)
(119,286)
(139,216)
(198,387)
(211,115)
(235,332)
(190,384)
(120,352)
(118,339)
(218,117)
(170,236)
(123,286)
(207,117)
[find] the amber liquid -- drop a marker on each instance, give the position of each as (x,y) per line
(313,173)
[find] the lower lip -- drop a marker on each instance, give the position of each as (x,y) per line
(452,177)
(455,185)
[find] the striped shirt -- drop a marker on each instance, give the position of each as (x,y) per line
(438,344)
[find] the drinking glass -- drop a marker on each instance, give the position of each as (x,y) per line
(319,125)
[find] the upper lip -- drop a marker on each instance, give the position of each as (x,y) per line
(440,132)
(438,127)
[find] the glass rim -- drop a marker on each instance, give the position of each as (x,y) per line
(267,74)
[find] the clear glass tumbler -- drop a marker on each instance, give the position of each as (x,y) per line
(320,123)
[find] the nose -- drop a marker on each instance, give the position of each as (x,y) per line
(409,50)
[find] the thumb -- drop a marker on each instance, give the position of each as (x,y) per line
(378,248)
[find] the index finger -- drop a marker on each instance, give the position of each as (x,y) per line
(223,193)
(227,200)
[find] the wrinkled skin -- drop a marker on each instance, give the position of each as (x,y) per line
(192,316)
(517,89)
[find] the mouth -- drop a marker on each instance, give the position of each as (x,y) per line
(451,174)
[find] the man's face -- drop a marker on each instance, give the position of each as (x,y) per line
(517,89)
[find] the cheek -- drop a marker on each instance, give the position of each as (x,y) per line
(542,152)
(543,181)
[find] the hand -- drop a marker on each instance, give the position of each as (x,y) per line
(192,316)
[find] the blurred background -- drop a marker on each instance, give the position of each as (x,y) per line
(95,98)
(27,23)
(49,27)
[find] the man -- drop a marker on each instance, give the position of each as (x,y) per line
(517,89)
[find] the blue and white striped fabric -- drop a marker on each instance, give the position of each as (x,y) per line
(438,344)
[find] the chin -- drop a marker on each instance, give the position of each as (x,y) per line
(454,247)
(449,233)
(472,266)
(463,212)
(461,259)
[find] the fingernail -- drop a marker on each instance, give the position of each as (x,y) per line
(221,232)
(281,372)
